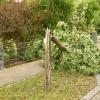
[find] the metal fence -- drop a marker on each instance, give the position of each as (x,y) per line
(94,37)
(12,53)
(19,53)
(1,56)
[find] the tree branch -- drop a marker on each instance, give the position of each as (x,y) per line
(57,42)
(60,45)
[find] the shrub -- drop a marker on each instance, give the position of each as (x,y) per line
(33,51)
(58,9)
(83,15)
(92,12)
(84,56)
(10,49)
(17,19)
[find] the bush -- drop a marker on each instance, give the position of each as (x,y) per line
(33,51)
(92,12)
(58,10)
(84,56)
(10,49)
(17,19)
(83,15)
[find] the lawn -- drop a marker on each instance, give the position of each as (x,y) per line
(64,87)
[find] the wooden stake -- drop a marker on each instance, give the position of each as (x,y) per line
(47,43)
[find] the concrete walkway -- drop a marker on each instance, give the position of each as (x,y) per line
(20,72)
(98,41)
(96,97)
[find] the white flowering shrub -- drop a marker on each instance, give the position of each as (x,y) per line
(84,56)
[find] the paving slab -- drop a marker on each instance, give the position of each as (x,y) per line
(91,94)
(98,79)
(96,97)
(20,72)
(98,41)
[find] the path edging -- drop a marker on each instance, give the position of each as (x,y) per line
(91,94)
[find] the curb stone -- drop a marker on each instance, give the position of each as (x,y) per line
(91,94)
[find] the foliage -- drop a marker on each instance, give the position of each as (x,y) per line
(17,19)
(26,51)
(23,22)
(58,9)
(83,15)
(84,56)
(92,12)
(3,1)
(10,49)
(24,18)
(33,51)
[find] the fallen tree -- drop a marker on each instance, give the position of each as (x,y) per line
(57,42)
(76,53)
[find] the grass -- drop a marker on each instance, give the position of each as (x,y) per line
(64,87)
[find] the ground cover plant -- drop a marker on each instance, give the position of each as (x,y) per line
(64,87)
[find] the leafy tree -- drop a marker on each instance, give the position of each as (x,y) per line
(58,9)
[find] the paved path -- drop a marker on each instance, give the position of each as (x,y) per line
(96,97)
(98,42)
(20,72)
(98,79)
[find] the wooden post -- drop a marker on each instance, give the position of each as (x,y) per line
(94,37)
(1,55)
(47,43)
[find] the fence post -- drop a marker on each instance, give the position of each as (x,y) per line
(1,55)
(47,44)
(94,37)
